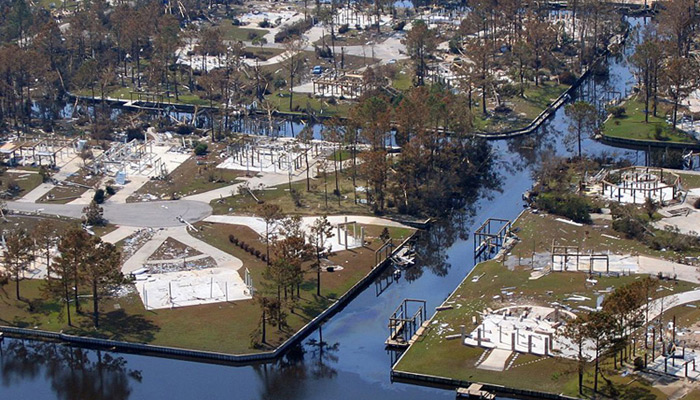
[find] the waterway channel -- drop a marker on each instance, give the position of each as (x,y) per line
(352,363)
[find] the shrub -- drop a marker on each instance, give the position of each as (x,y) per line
(231,238)
(323,52)
(244,245)
(295,29)
(13,186)
(200,149)
(696,203)
(399,26)
(455,46)
(571,206)
(567,78)
(110,190)
(659,133)
(638,363)
(257,253)
(134,133)
(252,35)
(264,24)
(343,29)
(235,22)
(617,111)
(99,196)
(296,197)
(184,130)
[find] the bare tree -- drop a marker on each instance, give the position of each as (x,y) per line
(321,230)
(293,60)
(18,255)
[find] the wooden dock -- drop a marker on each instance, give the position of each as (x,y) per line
(397,341)
(474,391)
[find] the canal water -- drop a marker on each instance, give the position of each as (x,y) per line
(345,358)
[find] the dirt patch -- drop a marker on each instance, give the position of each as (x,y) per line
(131,244)
(172,249)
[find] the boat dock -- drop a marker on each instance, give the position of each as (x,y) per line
(407,323)
(474,391)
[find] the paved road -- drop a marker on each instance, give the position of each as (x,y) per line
(154,214)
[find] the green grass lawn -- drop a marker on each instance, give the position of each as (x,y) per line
(402,81)
(690,181)
(18,181)
(632,126)
(233,32)
(434,355)
(524,109)
(190,178)
(313,202)
(304,101)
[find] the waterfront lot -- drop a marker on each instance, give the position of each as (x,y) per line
(500,286)
(228,327)
(632,125)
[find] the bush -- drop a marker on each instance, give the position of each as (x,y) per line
(257,253)
(323,52)
(99,196)
(200,149)
(235,22)
(567,78)
(231,238)
(264,24)
(455,46)
(252,35)
(399,26)
(295,29)
(571,206)
(110,190)
(184,130)
(296,197)
(134,133)
(638,364)
(696,203)
(659,133)
(617,111)
(244,245)
(343,29)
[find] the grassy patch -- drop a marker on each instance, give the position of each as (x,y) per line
(632,126)
(313,202)
(690,181)
(191,177)
(22,179)
(237,33)
(523,109)
(305,101)
(66,193)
